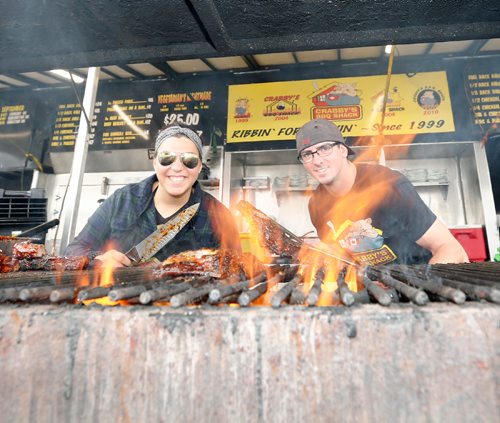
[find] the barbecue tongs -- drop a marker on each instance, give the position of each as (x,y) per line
(294,239)
(299,242)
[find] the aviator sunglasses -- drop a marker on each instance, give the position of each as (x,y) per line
(190,160)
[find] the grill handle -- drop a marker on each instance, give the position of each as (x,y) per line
(40,228)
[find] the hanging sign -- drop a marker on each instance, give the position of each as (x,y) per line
(130,117)
(417,103)
(191,108)
(14,115)
(16,123)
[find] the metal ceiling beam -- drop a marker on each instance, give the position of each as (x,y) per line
(136,74)
(250,62)
(7,85)
(115,75)
(105,72)
(59,78)
(33,83)
(83,74)
(476,47)
(166,69)
(428,49)
(107,57)
(212,67)
(211,24)
(78,73)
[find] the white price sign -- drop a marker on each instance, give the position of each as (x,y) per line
(186,119)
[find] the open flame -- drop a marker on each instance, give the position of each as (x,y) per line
(103,277)
(105,301)
(270,238)
(261,259)
(311,261)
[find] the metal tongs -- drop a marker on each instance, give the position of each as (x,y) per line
(294,239)
(301,244)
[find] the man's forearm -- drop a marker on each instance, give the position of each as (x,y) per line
(449,254)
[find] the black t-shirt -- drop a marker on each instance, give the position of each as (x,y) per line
(378,221)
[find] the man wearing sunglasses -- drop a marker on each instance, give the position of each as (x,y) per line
(367,211)
(134,211)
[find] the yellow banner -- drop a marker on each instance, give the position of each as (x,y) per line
(417,103)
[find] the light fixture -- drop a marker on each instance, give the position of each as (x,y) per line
(388,49)
(65,74)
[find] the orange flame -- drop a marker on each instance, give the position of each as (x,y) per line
(105,276)
(329,294)
(352,280)
(105,301)
(104,273)
(311,261)
(265,300)
(221,220)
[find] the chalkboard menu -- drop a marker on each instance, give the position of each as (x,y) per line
(484,93)
(130,116)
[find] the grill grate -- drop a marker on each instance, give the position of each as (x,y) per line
(384,285)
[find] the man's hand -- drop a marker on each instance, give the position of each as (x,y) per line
(113,258)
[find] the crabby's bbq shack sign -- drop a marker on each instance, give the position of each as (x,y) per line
(417,103)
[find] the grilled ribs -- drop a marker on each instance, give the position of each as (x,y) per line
(28,250)
(55,263)
(8,264)
(204,262)
(27,255)
(271,235)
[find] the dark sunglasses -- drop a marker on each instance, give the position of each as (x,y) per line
(166,158)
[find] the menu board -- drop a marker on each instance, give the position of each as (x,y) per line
(130,116)
(66,126)
(189,108)
(16,122)
(484,93)
(124,122)
(14,114)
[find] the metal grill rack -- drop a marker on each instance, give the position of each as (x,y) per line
(21,209)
